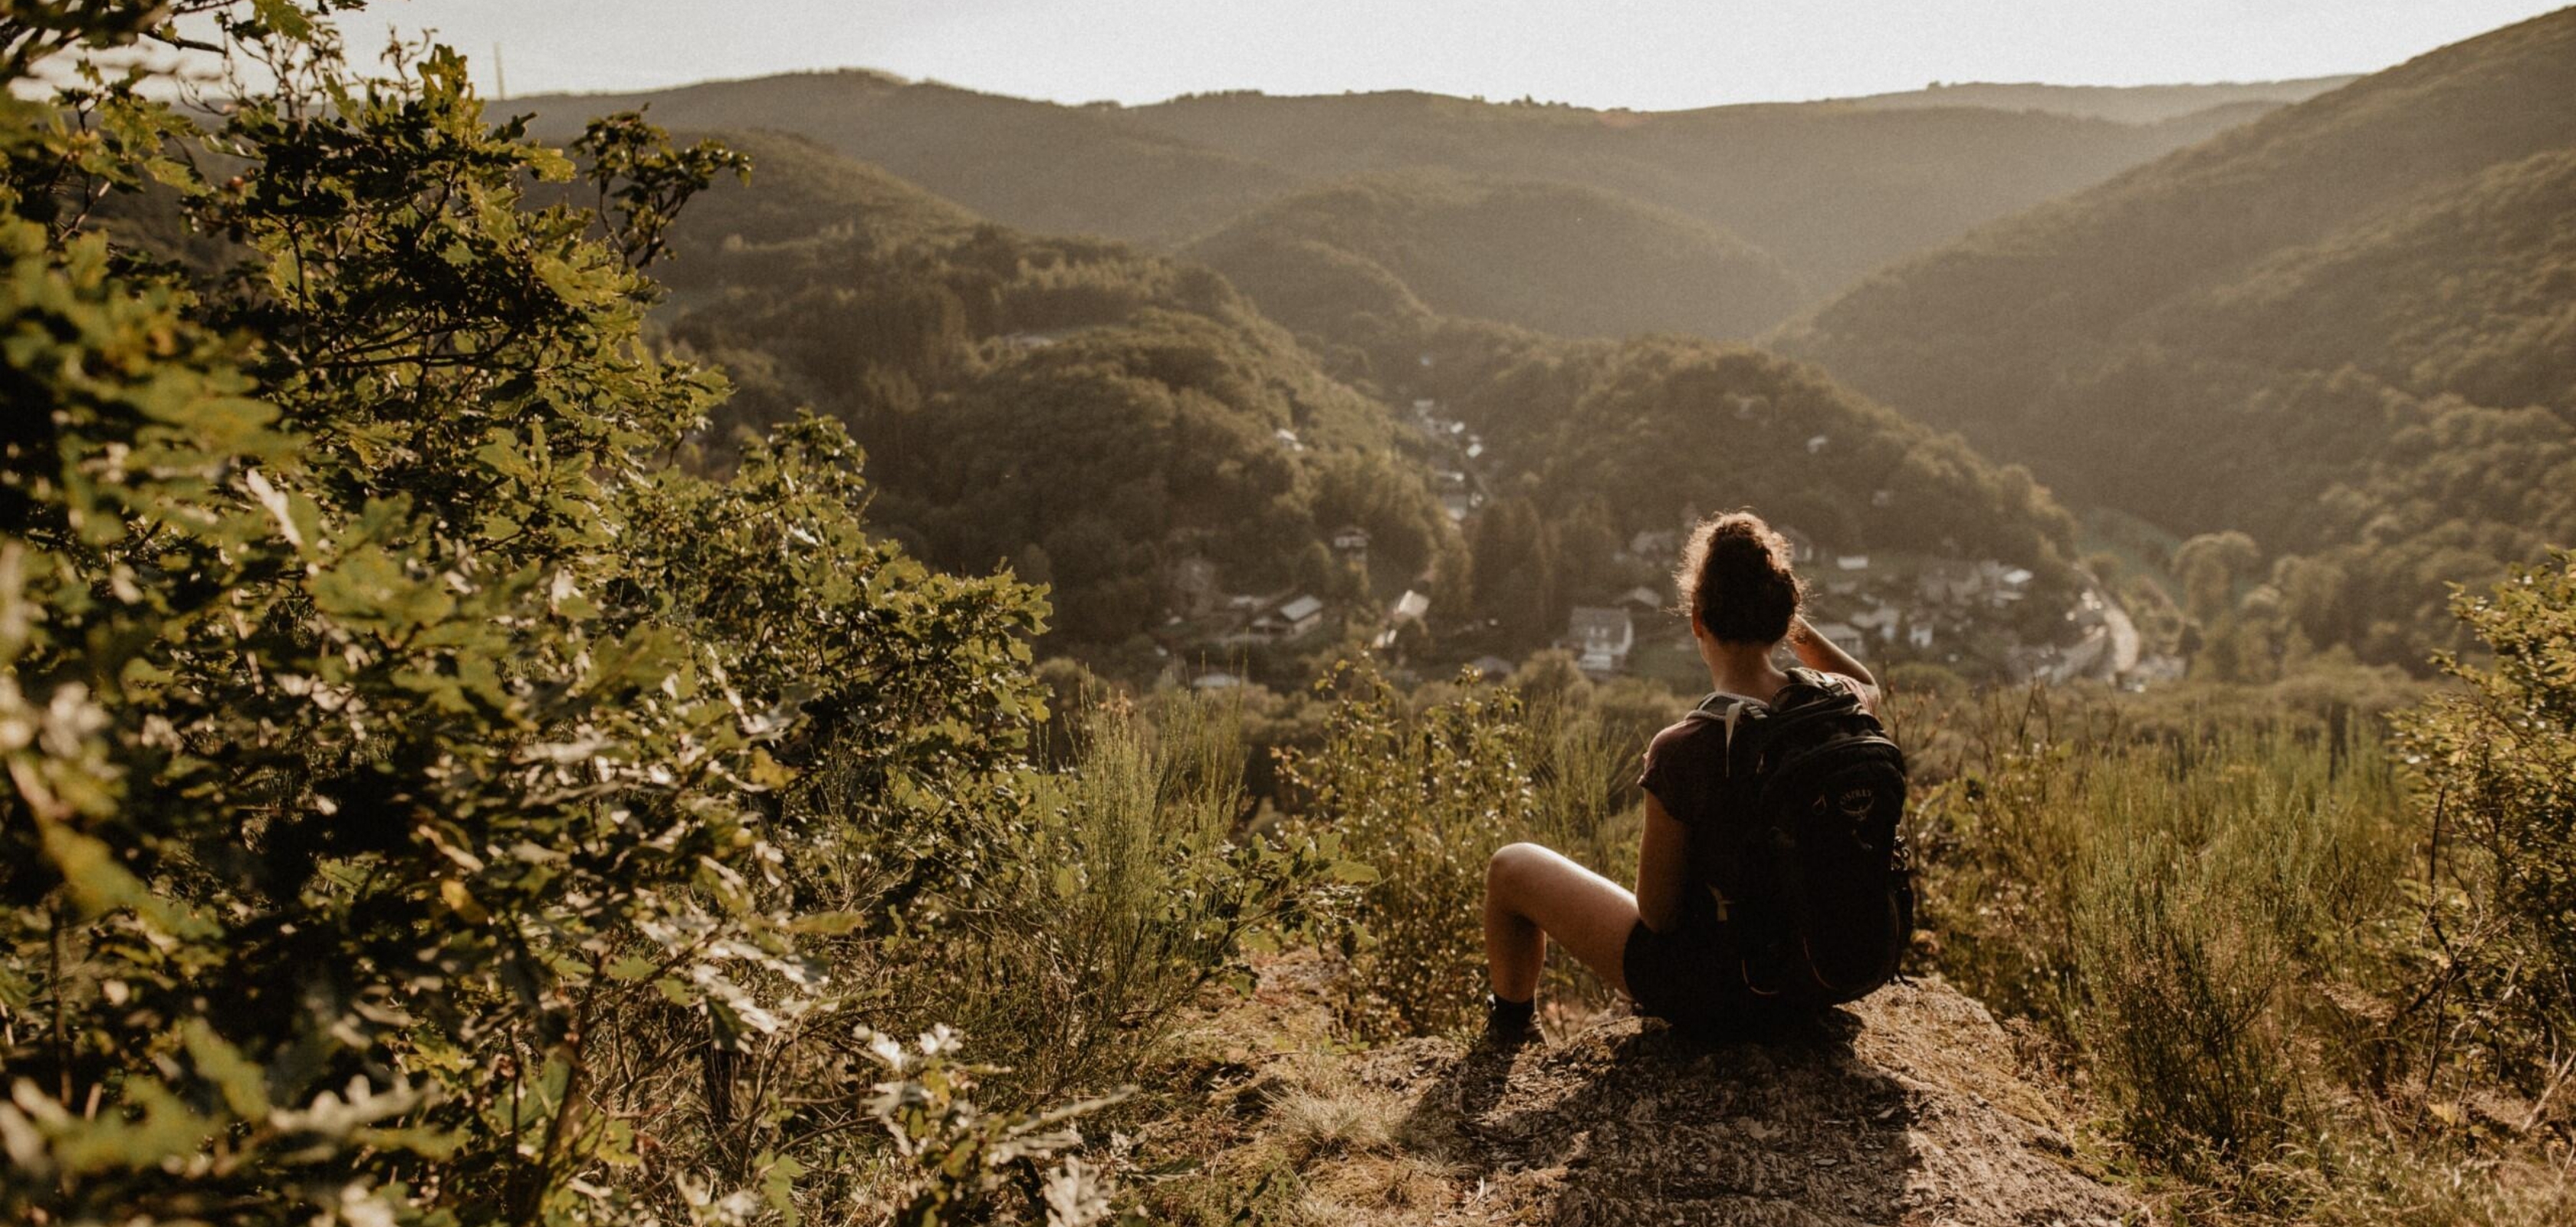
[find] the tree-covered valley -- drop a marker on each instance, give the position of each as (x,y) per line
(1138,432)
(828,649)
(2342,329)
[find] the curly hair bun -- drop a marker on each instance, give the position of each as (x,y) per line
(1735,579)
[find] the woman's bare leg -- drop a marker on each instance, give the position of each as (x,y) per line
(1534,893)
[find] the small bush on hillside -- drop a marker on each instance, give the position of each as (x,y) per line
(2497,761)
(2192,944)
(1131,893)
(1423,797)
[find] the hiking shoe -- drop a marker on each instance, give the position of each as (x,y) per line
(1510,1024)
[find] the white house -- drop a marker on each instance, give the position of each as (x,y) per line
(1290,620)
(1960,583)
(2004,584)
(1351,539)
(1407,608)
(1601,638)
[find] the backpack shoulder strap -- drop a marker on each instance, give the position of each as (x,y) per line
(1728,712)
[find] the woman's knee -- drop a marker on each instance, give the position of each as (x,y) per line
(1512,865)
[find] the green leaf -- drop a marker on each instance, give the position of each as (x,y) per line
(284,17)
(828,924)
(244,1088)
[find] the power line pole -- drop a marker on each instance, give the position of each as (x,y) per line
(500,78)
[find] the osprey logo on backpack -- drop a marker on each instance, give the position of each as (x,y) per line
(1816,790)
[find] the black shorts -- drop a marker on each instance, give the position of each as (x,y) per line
(1693,978)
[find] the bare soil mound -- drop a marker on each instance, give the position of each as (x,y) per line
(1908,1108)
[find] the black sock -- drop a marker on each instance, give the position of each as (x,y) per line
(1508,1017)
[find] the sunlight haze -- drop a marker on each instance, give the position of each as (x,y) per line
(1660,55)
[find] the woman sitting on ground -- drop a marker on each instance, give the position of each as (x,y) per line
(1658,945)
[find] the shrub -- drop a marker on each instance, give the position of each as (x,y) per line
(2497,762)
(426,801)
(1422,797)
(1133,890)
(2173,910)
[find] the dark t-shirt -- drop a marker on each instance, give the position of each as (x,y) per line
(1686,768)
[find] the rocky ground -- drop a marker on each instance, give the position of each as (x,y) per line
(1908,1108)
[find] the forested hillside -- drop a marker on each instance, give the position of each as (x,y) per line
(807,191)
(2345,329)
(1579,446)
(1830,190)
(1557,257)
(1036,165)
(1093,416)
(1103,419)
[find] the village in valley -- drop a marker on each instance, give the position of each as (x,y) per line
(1971,616)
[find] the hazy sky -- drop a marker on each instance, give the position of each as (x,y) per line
(1649,54)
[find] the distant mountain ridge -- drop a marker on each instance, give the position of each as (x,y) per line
(2131,104)
(1829,190)
(1036,165)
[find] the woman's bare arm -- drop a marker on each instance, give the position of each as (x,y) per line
(1663,864)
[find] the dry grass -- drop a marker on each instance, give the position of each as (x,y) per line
(1326,1111)
(1375,1190)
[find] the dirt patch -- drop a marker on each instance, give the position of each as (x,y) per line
(1905,1109)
